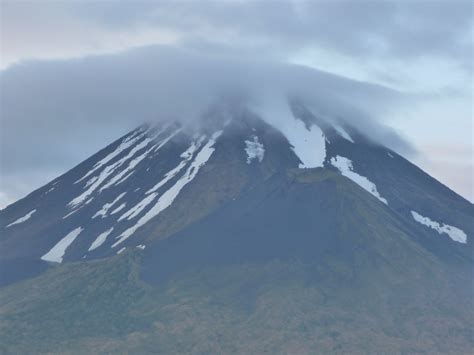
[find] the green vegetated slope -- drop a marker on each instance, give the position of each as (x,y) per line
(276,307)
(384,294)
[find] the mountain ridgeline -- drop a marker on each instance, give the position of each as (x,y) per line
(242,235)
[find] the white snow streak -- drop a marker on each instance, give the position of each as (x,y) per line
(187,155)
(127,142)
(254,150)
(344,165)
(57,252)
(121,250)
(116,179)
(22,219)
(51,189)
(108,170)
(135,210)
(309,144)
(107,206)
(167,198)
(100,239)
(119,208)
(454,233)
(128,171)
(343,133)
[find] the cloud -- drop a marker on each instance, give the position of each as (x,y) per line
(56,113)
(359,29)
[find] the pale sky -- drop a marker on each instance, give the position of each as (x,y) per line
(422,50)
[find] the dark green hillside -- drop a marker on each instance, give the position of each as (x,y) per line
(274,307)
(222,286)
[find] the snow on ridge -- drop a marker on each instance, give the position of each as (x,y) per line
(343,133)
(119,208)
(57,252)
(22,219)
(187,155)
(109,169)
(125,144)
(345,167)
(308,143)
(135,210)
(102,213)
(168,197)
(53,186)
(454,233)
(121,176)
(167,139)
(100,239)
(129,170)
(254,150)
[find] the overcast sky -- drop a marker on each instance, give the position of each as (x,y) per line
(76,75)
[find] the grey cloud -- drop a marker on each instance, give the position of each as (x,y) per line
(55,113)
(403,29)
(360,29)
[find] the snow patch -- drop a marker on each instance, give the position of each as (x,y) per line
(125,173)
(129,170)
(100,239)
(103,212)
(343,133)
(344,165)
(390,155)
(108,170)
(125,144)
(141,246)
(51,189)
(119,208)
(57,252)
(454,233)
(187,155)
(308,143)
(121,250)
(168,197)
(135,210)
(254,150)
(22,219)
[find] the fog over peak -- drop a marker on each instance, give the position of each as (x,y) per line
(58,112)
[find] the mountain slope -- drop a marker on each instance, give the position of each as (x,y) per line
(237,236)
(230,283)
(156,180)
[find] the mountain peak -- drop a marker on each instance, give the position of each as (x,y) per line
(160,178)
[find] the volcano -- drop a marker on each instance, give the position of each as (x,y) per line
(241,234)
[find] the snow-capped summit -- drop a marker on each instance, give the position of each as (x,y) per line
(160,180)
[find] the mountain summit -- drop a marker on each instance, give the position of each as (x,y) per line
(305,222)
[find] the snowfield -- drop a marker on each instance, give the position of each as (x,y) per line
(100,239)
(168,197)
(254,150)
(57,252)
(345,167)
(454,233)
(22,219)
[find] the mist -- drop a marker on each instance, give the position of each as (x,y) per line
(56,113)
